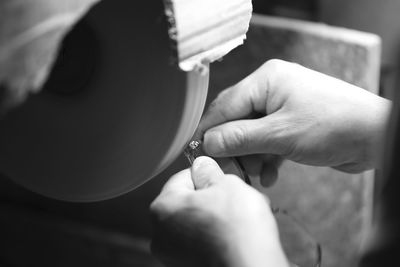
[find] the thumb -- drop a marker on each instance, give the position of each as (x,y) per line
(206,172)
(267,135)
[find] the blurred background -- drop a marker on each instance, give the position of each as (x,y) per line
(37,231)
(364,15)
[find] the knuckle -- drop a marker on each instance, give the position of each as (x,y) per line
(274,65)
(231,179)
(220,107)
(260,200)
(223,112)
(154,205)
(164,204)
(220,98)
(233,182)
(157,207)
(275,69)
(263,198)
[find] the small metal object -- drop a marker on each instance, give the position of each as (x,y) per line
(193,150)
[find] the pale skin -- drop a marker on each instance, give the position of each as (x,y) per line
(281,111)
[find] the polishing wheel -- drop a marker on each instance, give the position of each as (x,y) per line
(115,111)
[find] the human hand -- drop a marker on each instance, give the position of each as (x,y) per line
(286,110)
(206,218)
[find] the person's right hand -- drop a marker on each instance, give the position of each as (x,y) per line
(302,115)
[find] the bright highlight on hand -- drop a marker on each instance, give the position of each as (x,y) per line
(206,218)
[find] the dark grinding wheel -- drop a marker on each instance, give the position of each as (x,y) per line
(115,112)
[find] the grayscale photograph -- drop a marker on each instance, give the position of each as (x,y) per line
(199,133)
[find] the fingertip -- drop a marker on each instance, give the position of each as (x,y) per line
(205,172)
(202,163)
(252,164)
(269,175)
(213,143)
(210,118)
(180,181)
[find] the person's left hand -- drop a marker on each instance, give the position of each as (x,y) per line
(206,218)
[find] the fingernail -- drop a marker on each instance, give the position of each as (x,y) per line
(212,143)
(269,176)
(201,162)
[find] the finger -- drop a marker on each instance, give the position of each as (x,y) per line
(172,196)
(270,170)
(245,137)
(237,102)
(262,167)
(252,164)
(206,172)
(269,175)
(182,181)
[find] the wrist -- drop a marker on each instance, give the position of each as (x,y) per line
(256,250)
